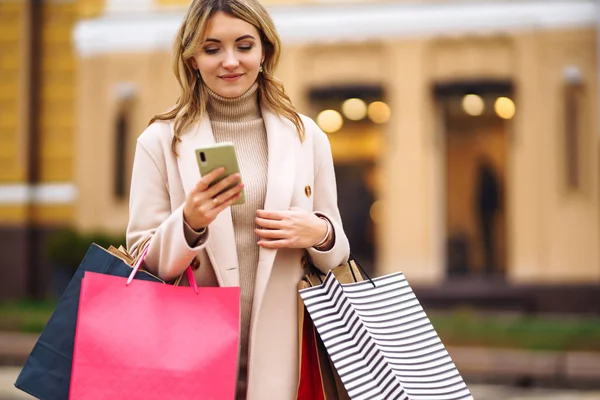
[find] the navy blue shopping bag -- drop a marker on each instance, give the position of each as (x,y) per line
(47,371)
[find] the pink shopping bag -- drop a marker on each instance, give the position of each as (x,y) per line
(148,340)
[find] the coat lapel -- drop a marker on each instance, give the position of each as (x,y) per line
(221,246)
(282,141)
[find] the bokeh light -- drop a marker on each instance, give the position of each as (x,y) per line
(473,104)
(330,121)
(379,112)
(354,109)
(505,107)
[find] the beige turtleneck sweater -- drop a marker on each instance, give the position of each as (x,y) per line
(239,120)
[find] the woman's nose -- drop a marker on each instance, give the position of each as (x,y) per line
(230,61)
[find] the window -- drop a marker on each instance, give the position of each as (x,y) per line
(573,103)
(122,140)
(120,154)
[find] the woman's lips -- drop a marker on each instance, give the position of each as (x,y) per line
(231,77)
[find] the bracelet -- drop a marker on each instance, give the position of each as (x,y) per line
(327,234)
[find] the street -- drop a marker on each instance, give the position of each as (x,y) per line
(8,376)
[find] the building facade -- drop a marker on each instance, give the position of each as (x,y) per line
(458,85)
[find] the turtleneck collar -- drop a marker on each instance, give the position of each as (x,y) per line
(235,109)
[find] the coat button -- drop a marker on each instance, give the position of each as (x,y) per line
(307,190)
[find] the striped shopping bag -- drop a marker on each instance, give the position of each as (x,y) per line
(381,342)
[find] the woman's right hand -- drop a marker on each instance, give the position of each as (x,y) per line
(204,202)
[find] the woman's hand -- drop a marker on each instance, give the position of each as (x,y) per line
(295,228)
(204,203)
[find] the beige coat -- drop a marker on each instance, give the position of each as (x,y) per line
(299,175)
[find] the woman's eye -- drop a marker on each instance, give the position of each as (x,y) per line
(247,47)
(211,50)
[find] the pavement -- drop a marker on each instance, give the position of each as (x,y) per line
(8,375)
(568,367)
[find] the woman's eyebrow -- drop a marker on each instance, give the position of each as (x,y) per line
(237,40)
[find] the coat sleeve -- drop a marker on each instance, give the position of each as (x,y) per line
(150,217)
(326,203)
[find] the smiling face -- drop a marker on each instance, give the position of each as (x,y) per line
(230,56)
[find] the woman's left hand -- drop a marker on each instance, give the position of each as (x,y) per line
(294,228)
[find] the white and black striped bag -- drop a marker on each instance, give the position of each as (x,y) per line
(381,341)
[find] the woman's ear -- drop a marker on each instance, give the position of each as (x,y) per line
(194,64)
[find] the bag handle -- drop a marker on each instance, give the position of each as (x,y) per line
(362,270)
(315,272)
(140,261)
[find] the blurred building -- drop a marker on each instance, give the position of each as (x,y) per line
(468,147)
(37,137)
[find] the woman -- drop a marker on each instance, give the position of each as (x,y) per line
(225,55)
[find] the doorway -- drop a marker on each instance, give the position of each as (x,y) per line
(476,136)
(354,118)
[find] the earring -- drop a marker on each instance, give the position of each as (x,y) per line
(260,69)
(198,74)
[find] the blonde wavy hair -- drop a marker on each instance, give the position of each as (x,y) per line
(191,104)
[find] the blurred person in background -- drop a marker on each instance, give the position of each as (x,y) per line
(488,206)
(225,53)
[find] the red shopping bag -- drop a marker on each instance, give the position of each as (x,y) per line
(149,340)
(310,386)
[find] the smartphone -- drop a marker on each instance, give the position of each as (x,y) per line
(217,155)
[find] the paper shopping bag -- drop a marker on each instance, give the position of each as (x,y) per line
(381,342)
(154,341)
